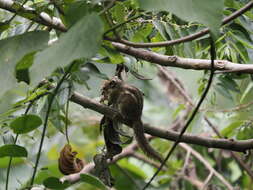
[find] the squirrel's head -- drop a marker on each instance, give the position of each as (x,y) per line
(110,87)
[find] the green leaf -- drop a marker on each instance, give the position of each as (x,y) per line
(55,183)
(25,124)
(81,41)
(22,72)
(92,180)
(26,61)
(13,151)
(236,172)
(74,12)
(114,56)
(92,69)
(228,131)
(205,12)
(245,131)
(160,26)
(4,26)
(246,93)
(229,84)
(12,50)
(15,161)
(219,87)
(119,12)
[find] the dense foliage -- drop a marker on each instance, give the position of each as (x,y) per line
(55,56)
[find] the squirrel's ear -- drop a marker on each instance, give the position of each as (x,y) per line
(112,84)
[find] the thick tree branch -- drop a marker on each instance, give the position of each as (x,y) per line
(186,63)
(228,144)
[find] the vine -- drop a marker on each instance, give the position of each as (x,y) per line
(195,111)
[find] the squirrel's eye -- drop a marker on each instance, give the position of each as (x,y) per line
(112,84)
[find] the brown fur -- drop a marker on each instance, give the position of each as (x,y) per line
(128,100)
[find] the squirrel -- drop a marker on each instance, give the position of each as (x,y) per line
(128,100)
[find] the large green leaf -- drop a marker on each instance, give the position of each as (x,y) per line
(25,124)
(13,151)
(12,50)
(81,41)
(205,12)
(92,180)
(55,183)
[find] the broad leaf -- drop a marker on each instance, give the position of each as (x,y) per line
(75,11)
(55,183)
(13,151)
(92,180)
(81,41)
(12,50)
(25,124)
(205,12)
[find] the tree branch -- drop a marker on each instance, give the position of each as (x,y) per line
(185,63)
(228,144)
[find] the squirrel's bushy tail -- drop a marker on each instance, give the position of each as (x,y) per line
(143,142)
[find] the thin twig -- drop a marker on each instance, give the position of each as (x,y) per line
(9,166)
(16,13)
(209,177)
(186,161)
(234,109)
(207,165)
(121,24)
(109,6)
(67,116)
(146,160)
(60,10)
